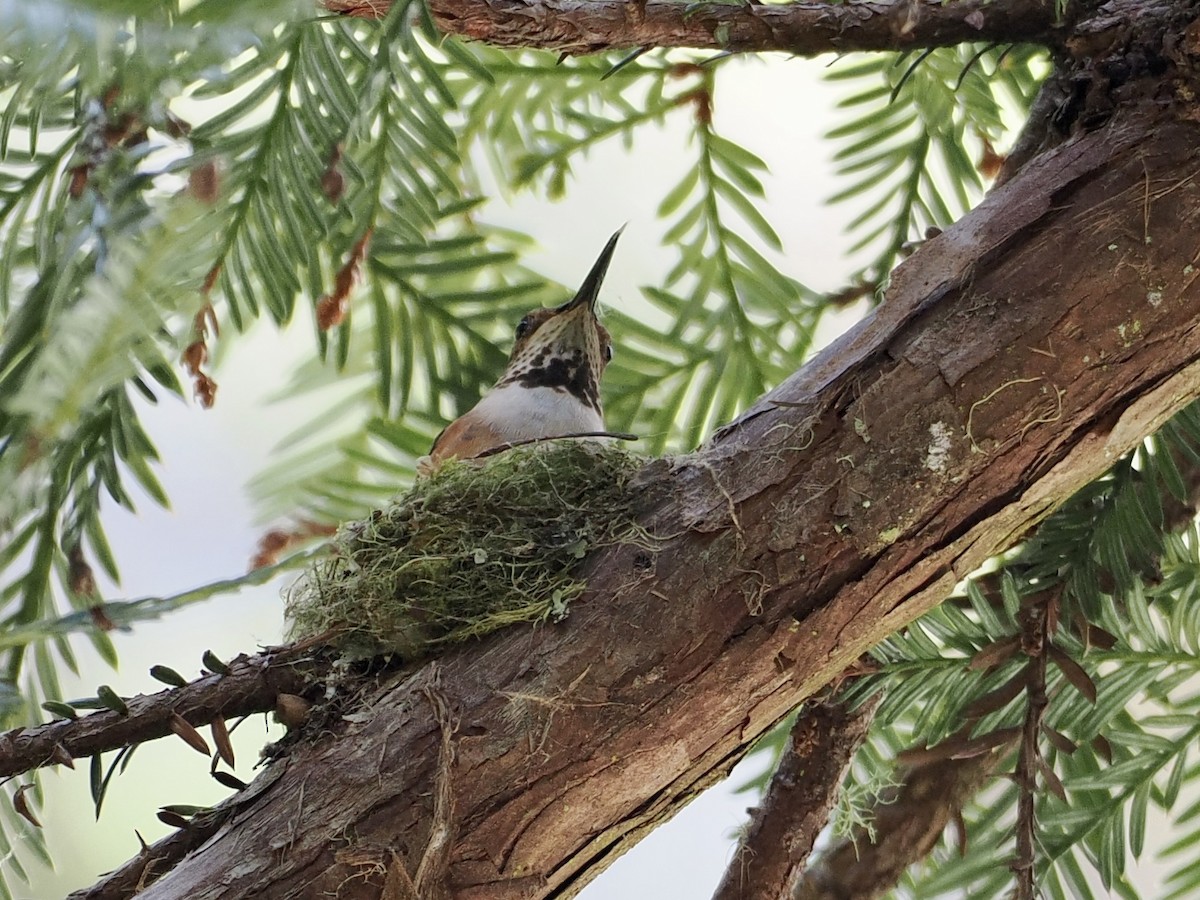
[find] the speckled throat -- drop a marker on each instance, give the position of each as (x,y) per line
(564,355)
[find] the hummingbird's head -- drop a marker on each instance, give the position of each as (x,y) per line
(565,347)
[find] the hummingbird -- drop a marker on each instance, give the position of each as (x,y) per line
(551,385)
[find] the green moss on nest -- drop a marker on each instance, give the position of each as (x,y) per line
(470,550)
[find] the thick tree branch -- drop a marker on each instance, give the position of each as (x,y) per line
(782,830)
(253,684)
(802,29)
(1016,355)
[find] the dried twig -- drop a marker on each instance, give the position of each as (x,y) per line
(252,686)
(1035,641)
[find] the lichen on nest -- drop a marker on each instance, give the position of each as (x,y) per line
(467,551)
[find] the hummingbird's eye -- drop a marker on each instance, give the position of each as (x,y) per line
(608,352)
(523,327)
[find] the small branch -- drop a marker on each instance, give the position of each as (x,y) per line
(252,686)
(906,824)
(803,29)
(803,789)
(1039,132)
(1035,640)
(124,614)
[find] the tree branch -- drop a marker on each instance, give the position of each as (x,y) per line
(802,29)
(253,684)
(782,830)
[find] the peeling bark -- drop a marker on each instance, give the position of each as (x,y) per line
(1015,357)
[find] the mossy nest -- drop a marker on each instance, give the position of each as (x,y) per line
(472,549)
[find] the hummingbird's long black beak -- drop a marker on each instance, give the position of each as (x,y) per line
(586,295)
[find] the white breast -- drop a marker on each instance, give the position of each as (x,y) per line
(522,414)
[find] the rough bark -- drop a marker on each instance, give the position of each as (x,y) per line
(770,859)
(803,29)
(1017,354)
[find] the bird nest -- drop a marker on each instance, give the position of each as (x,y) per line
(467,551)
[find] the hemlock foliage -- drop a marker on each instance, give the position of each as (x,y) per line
(164,167)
